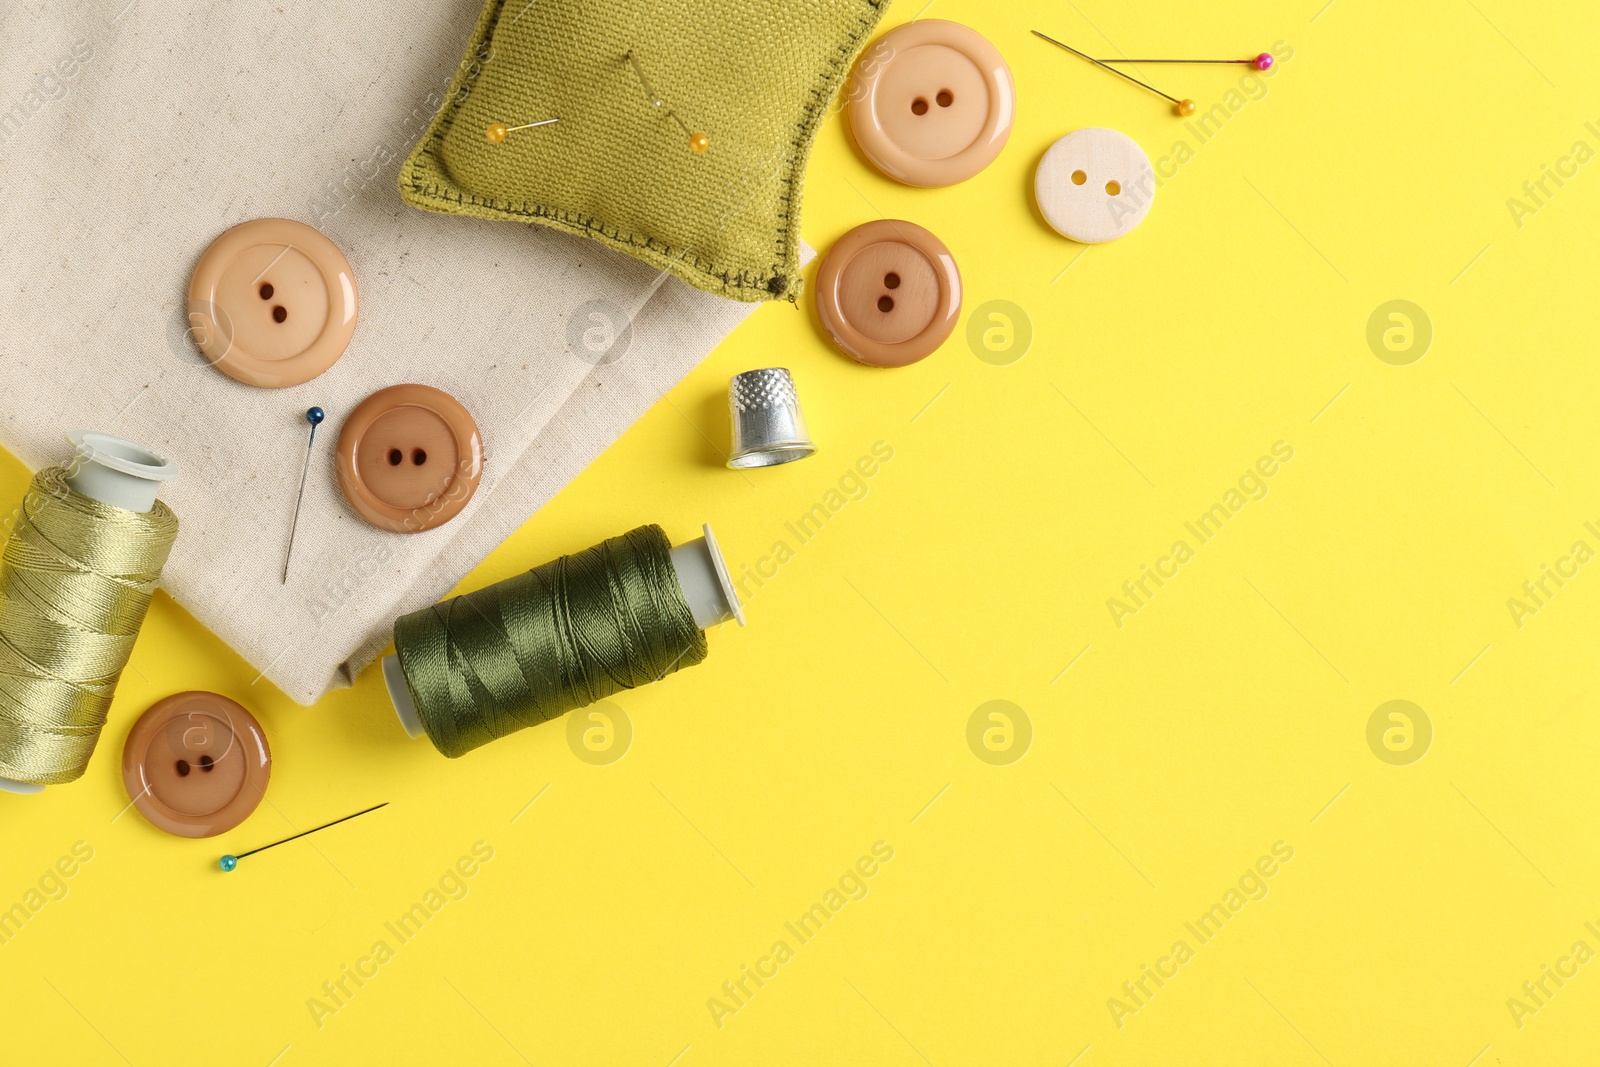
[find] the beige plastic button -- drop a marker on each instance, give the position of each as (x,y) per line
(196,764)
(409,458)
(931,103)
(1094,185)
(888,293)
(272,303)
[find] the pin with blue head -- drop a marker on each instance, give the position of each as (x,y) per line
(228,863)
(314,416)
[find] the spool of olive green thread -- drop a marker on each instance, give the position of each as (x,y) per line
(627,612)
(81,563)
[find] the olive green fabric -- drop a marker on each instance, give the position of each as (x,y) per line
(755,76)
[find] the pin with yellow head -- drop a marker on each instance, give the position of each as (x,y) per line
(499,131)
(698,142)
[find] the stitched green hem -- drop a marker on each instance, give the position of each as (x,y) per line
(426,179)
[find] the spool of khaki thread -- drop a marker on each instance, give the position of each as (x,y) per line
(702,578)
(118,474)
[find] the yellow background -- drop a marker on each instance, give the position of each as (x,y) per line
(1228,714)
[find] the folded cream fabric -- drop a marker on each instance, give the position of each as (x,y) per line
(132,134)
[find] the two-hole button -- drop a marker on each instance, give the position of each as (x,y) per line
(931,103)
(280,314)
(196,764)
(1094,185)
(272,303)
(888,293)
(409,458)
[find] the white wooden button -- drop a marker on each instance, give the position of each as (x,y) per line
(1094,185)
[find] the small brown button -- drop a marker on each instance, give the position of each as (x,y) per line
(888,293)
(932,103)
(196,764)
(272,303)
(409,458)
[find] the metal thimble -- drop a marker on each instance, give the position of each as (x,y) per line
(768,428)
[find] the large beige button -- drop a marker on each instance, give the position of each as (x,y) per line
(931,103)
(888,293)
(272,303)
(196,764)
(1094,185)
(409,458)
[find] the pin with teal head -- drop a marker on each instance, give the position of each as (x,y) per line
(314,416)
(228,863)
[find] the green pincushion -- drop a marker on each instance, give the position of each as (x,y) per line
(756,77)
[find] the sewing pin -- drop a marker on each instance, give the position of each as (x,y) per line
(314,416)
(1261,62)
(497,131)
(698,142)
(1179,107)
(228,863)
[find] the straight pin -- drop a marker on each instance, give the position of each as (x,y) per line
(1179,107)
(228,863)
(1260,62)
(314,416)
(498,131)
(698,142)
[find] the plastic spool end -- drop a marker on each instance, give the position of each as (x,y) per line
(703,576)
(116,471)
(113,471)
(400,696)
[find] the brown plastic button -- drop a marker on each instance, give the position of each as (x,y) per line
(272,303)
(932,103)
(409,458)
(888,293)
(196,764)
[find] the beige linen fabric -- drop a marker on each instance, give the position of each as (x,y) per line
(132,134)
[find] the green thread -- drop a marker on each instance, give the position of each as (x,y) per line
(75,580)
(534,647)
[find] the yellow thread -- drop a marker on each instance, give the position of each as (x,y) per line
(75,581)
